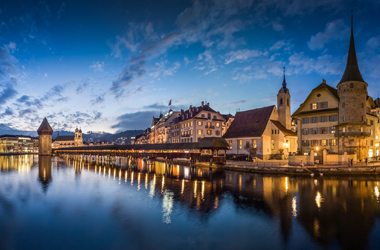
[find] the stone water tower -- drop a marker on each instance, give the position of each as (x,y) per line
(44,132)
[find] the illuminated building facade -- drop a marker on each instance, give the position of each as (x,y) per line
(18,144)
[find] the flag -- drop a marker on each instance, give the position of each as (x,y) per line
(170,102)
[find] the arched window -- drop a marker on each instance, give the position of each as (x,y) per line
(280,101)
(287,102)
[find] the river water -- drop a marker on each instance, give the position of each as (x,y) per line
(51,203)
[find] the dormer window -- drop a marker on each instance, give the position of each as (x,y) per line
(314,105)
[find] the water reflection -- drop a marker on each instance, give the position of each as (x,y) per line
(335,212)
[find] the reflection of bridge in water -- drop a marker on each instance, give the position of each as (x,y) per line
(332,210)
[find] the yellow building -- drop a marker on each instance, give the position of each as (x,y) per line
(340,120)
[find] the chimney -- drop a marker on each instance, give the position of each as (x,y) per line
(208,104)
(203,103)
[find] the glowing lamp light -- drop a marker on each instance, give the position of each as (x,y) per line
(377,145)
(317,148)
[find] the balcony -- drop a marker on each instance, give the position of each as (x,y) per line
(352,134)
(209,126)
(185,136)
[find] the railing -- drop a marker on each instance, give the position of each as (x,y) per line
(353,134)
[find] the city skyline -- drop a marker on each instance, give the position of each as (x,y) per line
(111,67)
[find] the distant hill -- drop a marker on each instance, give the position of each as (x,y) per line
(6,130)
(96,137)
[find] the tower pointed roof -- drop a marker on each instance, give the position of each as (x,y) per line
(44,127)
(352,72)
(284,81)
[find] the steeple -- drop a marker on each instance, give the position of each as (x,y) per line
(284,81)
(352,72)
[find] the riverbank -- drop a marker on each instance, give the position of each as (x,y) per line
(281,167)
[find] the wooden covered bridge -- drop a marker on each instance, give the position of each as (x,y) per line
(212,150)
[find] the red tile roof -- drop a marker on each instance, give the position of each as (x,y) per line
(250,123)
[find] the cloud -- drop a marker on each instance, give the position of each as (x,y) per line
(55,91)
(83,85)
(126,77)
(8,112)
(216,19)
(24,112)
(11,46)
(374,42)
(335,30)
(97,67)
(242,78)
(45,75)
(7,63)
(325,64)
(172,70)
(28,102)
(97,100)
(8,92)
(137,120)
(62,8)
(280,44)
(242,55)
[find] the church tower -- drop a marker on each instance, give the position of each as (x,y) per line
(44,134)
(352,92)
(78,139)
(283,105)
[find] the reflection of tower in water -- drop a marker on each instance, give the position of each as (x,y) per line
(44,171)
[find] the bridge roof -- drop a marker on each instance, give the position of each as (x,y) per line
(205,143)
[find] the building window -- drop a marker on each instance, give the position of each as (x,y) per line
(323,130)
(199,131)
(217,124)
(333,118)
(305,120)
(254,144)
(323,118)
(314,106)
(314,131)
(371,132)
(209,132)
(272,144)
(247,144)
(332,130)
(280,101)
(314,143)
(323,105)
(230,143)
(287,101)
(333,142)
(191,132)
(305,143)
(217,132)
(240,144)
(344,129)
(199,123)
(314,119)
(305,131)
(371,143)
(323,143)
(209,116)
(371,122)
(361,129)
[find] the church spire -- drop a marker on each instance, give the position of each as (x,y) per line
(284,81)
(352,72)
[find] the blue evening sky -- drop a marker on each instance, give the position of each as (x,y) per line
(112,65)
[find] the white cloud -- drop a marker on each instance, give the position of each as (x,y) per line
(324,64)
(97,67)
(242,55)
(172,70)
(45,75)
(11,46)
(335,30)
